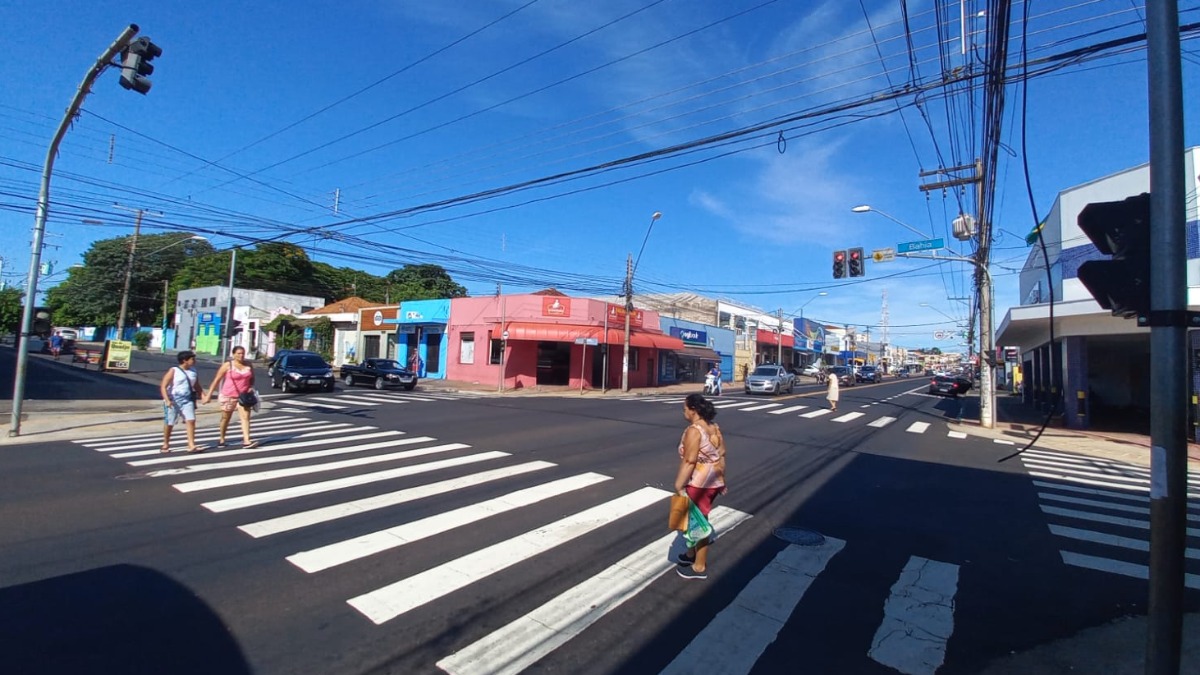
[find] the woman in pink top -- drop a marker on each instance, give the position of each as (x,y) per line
(701,474)
(235,377)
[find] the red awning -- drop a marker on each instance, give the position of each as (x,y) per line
(569,332)
(767,338)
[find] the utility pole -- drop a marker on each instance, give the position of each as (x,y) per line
(137,227)
(1168,341)
(628,312)
(163,339)
(779,338)
(43,208)
(227,324)
(983,285)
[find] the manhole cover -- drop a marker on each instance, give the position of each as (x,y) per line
(799,536)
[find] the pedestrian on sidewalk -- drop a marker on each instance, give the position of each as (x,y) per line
(181,390)
(235,378)
(56,344)
(701,474)
(832,392)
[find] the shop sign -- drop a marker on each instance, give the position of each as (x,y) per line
(690,336)
(116,357)
(412,315)
(553,306)
(616,314)
(206,317)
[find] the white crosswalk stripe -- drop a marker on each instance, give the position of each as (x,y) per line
(1101,506)
(788,409)
(733,404)
(816,413)
(356,400)
(917,427)
(847,417)
(764,406)
(918,618)
(881,422)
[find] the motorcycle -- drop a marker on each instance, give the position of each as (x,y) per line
(711,386)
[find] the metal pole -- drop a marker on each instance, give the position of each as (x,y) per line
(137,228)
(163,340)
(227,326)
(604,376)
(43,207)
(987,350)
(1168,342)
(503,341)
(628,311)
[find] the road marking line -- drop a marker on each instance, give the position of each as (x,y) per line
(207,436)
(349,550)
(310,404)
(266,438)
(102,445)
(281,494)
(242,479)
(734,404)
(918,618)
(1063,487)
(865,406)
(342,399)
(1096,464)
(736,637)
(847,417)
(1138,482)
(410,397)
(332,512)
(1121,567)
(1102,518)
(391,601)
(380,397)
(1142,489)
(816,413)
(761,407)
(788,409)
(1001,441)
(520,644)
(1112,540)
(917,427)
(882,422)
(956,434)
(221,454)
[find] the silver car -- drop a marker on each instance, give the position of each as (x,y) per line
(770,380)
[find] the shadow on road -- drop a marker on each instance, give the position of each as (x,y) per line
(118,619)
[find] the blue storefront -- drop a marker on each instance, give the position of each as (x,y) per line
(703,345)
(421,328)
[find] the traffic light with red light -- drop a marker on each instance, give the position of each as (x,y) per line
(135,64)
(856,263)
(839,264)
(1120,230)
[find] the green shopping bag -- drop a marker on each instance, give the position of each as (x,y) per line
(698,526)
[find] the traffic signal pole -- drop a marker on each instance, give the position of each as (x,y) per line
(43,207)
(1168,341)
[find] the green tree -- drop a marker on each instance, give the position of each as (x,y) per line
(91,294)
(10,310)
(422,282)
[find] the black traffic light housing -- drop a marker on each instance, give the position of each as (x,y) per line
(1120,230)
(135,64)
(839,264)
(856,263)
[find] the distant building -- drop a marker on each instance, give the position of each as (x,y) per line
(200,316)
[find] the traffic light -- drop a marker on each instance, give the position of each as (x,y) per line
(1120,230)
(135,64)
(839,264)
(856,262)
(235,327)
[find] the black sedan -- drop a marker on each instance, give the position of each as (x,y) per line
(297,371)
(949,385)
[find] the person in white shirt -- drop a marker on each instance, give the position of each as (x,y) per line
(181,392)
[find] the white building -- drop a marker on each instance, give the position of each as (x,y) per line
(1097,364)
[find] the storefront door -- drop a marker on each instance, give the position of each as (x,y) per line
(554,363)
(370,347)
(433,353)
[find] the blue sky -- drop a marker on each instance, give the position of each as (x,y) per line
(261,112)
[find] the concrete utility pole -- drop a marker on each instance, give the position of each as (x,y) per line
(1168,341)
(779,338)
(227,326)
(163,339)
(43,207)
(137,228)
(628,314)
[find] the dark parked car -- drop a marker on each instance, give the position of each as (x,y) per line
(949,385)
(296,371)
(282,353)
(844,374)
(379,373)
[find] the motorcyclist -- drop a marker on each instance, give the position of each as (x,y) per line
(712,381)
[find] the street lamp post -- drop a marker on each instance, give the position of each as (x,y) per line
(864,208)
(822,293)
(630,269)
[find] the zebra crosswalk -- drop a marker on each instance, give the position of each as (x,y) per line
(1100,510)
(808,411)
(296,465)
(349,399)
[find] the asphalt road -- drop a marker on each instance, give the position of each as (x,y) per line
(534,529)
